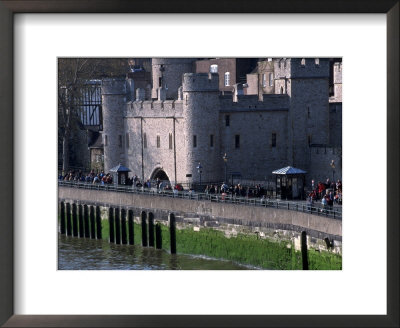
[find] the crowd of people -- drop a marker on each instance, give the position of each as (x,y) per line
(329,193)
(91,177)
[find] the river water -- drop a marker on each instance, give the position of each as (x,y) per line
(90,254)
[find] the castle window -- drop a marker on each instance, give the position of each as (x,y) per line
(170,141)
(160,82)
(158,141)
(214,68)
(144,140)
(194,141)
(120,141)
(271,79)
(303,62)
(127,141)
(264,80)
(105,140)
(227,120)
(237,141)
(227,79)
(273,140)
(317,62)
(211,140)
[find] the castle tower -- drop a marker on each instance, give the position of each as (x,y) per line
(167,73)
(306,81)
(113,92)
(201,132)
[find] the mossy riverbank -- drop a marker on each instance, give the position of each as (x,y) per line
(244,249)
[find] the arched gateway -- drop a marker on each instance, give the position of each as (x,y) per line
(159,173)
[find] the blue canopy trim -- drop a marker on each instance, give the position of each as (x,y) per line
(289,170)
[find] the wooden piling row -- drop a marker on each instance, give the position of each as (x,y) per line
(85,221)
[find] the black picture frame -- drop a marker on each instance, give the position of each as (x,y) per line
(7,10)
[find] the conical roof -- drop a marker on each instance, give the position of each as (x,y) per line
(120,168)
(289,170)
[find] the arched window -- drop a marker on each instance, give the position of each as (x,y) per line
(214,68)
(271,79)
(227,79)
(264,80)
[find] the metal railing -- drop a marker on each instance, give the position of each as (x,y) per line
(315,209)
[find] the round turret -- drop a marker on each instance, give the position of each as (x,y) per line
(202,135)
(167,73)
(113,92)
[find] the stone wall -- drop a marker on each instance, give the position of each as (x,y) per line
(113,103)
(317,226)
(335,124)
(320,168)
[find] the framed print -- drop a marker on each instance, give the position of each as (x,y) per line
(35,292)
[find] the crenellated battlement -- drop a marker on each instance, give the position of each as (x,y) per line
(196,82)
(154,108)
(301,68)
(251,103)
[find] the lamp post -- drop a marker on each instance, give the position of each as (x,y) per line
(225,158)
(199,167)
(333,170)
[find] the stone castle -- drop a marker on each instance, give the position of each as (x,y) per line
(287,112)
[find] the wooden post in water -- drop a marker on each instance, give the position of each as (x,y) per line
(131,228)
(123,226)
(69,223)
(111,223)
(98,222)
(144,229)
(117,227)
(62,218)
(172,232)
(304,254)
(92,223)
(158,236)
(151,229)
(86,220)
(74,220)
(80,221)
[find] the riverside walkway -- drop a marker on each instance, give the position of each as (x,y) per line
(334,212)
